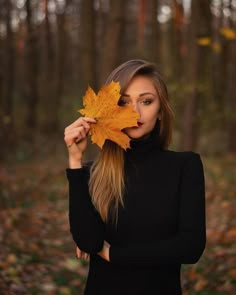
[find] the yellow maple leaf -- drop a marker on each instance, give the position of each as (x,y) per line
(204,41)
(111,118)
(228,33)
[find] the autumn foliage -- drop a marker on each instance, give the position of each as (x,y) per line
(111,118)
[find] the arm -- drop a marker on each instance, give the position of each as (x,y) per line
(86,225)
(188,244)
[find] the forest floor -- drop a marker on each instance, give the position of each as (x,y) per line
(37,253)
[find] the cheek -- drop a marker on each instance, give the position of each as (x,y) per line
(151,119)
(151,115)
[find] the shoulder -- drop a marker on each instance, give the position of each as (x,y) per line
(182,156)
(186,160)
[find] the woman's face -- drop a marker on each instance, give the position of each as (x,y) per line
(142,95)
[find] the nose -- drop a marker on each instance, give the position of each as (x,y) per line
(136,108)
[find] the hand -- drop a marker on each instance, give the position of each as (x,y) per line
(81,254)
(75,137)
(104,253)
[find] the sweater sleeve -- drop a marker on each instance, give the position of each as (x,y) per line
(187,246)
(86,225)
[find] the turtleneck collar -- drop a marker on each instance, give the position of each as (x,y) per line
(145,145)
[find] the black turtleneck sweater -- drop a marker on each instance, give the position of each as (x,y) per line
(161,226)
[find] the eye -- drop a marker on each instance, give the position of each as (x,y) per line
(147,101)
(122,102)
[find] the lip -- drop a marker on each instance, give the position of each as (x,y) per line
(140,124)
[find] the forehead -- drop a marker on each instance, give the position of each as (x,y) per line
(140,84)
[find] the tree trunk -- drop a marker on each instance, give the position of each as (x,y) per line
(218,61)
(88,44)
(62,41)
(2,66)
(149,32)
(129,39)
(113,36)
(154,36)
(200,27)
(9,74)
(180,38)
(49,99)
(230,95)
(32,56)
(7,80)
(142,16)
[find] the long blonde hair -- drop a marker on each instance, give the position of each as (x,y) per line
(107,183)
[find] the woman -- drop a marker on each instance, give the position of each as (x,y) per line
(139,214)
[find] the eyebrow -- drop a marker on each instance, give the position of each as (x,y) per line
(140,95)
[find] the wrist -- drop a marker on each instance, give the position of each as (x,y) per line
(75,163)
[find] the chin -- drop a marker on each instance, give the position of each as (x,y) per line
(136,136)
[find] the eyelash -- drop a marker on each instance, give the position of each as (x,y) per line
(122,102)
(146,101)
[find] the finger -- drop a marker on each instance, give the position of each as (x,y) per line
(82,134)
(86,256)
(76,131)
(78,253)
(75,135)
(80,121)
(107,244)
(82,125)
(79,134)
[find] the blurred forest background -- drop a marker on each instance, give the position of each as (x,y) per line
(50,51)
